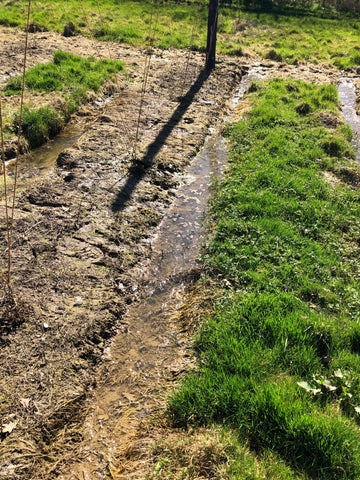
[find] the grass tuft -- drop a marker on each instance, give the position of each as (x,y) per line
(70,75)
(38,126)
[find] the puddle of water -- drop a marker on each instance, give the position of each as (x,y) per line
(347,96)
(42,159)
(141,358)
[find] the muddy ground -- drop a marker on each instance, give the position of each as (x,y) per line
(81,235)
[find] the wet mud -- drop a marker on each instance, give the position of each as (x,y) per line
(83,255)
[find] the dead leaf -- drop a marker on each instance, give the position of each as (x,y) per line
(9,427)
(25,402)
(8,470)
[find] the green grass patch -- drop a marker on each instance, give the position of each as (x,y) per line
(293,39)
(279,360)
(67,73)
(39,125)
(70,75)
(132,22)
(307,35)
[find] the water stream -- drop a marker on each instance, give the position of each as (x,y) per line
(42,159)
(141,359)
(347,96)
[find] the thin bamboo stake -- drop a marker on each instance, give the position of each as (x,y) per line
(189,52)
(103,26)
(18,143)
(2,275)
(145,78)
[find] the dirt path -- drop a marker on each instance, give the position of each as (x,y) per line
(82,237)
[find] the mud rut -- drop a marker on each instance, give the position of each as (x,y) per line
(83,239)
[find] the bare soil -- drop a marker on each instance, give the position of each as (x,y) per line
(81,235)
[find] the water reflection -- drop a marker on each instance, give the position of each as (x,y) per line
(40,160)
(140,360)
(347,96)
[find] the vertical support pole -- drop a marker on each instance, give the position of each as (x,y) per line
(211,35)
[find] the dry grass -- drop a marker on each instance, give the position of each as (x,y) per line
(160,453)
(200,303)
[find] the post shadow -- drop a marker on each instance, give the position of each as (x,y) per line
(138,170)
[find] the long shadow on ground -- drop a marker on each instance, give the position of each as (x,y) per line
(140,167)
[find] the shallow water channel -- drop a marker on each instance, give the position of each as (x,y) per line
(150,351)
(347,96)
(40,160)
(142,358)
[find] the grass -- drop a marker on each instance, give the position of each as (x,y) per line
(292,39)
(278,361)
(67,72)
(39,125)
(70,75)
(211,453)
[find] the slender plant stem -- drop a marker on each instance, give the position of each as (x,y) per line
(18,142)
(101,17)
(146,71)
(2,275)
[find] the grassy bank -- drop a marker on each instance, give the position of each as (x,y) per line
(291,39)
(72,78)
(278,362)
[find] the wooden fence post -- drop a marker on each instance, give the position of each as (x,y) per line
(211,35)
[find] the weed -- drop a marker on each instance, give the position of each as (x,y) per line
(338,385)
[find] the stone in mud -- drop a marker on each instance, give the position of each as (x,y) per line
(35,27)
(78,302)
(70,30)
(66,160)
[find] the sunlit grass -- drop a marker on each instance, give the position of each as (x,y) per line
(291,39)
(294,39)
(278,361)
(69,75)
